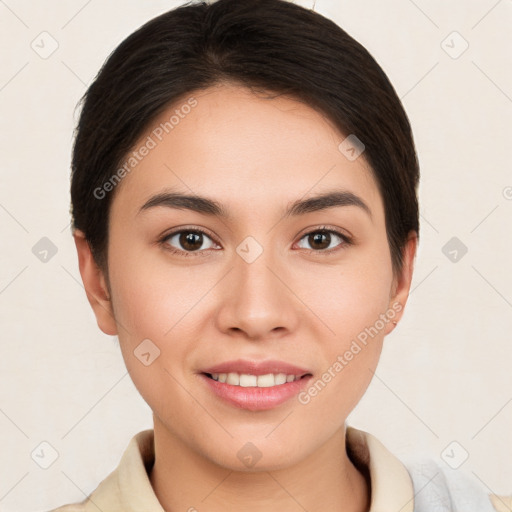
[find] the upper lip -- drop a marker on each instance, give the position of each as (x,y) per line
(256,368)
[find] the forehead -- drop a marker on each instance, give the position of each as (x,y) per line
(250,150)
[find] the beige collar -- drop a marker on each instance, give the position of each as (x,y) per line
(391,484)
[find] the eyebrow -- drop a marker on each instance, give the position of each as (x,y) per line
(211,207)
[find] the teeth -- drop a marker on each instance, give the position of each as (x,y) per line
(246,380)
(280,378)
(233,379)
(266,381)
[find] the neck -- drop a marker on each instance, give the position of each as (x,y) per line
(325,481)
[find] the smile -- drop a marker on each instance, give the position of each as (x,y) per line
(255,386)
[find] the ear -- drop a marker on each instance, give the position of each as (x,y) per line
(402,282)
(95,285)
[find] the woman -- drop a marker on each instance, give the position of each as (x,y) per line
(246,220)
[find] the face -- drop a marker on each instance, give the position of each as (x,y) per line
(255,293)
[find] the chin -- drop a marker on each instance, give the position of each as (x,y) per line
(257,455)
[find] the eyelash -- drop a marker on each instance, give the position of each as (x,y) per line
(324,252)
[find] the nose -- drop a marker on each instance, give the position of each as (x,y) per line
(258,300)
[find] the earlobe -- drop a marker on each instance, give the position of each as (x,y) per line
(95,285)
(402,282)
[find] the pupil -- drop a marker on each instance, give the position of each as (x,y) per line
(187,240)
(317,237)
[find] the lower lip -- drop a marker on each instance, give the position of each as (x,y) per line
(254,398)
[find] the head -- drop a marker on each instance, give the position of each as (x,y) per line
(202,148)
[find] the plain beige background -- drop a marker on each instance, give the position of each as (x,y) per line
(443,388)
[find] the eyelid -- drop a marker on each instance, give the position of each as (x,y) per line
(343,233)
(190,228)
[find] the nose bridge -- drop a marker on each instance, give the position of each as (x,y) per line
(257,301)
(255,268)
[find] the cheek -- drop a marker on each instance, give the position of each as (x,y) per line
(355,312)
(140,307)
(351,297)
(151,297)
(353,303)
(162,303)
(148,305)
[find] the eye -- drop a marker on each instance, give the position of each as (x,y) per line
(188,241)
(320,240)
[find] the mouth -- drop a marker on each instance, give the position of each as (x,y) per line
(255,386)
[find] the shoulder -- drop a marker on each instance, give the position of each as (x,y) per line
(437,487)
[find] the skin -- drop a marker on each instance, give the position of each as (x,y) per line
(293,303)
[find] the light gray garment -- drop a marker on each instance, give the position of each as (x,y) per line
(438,488)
